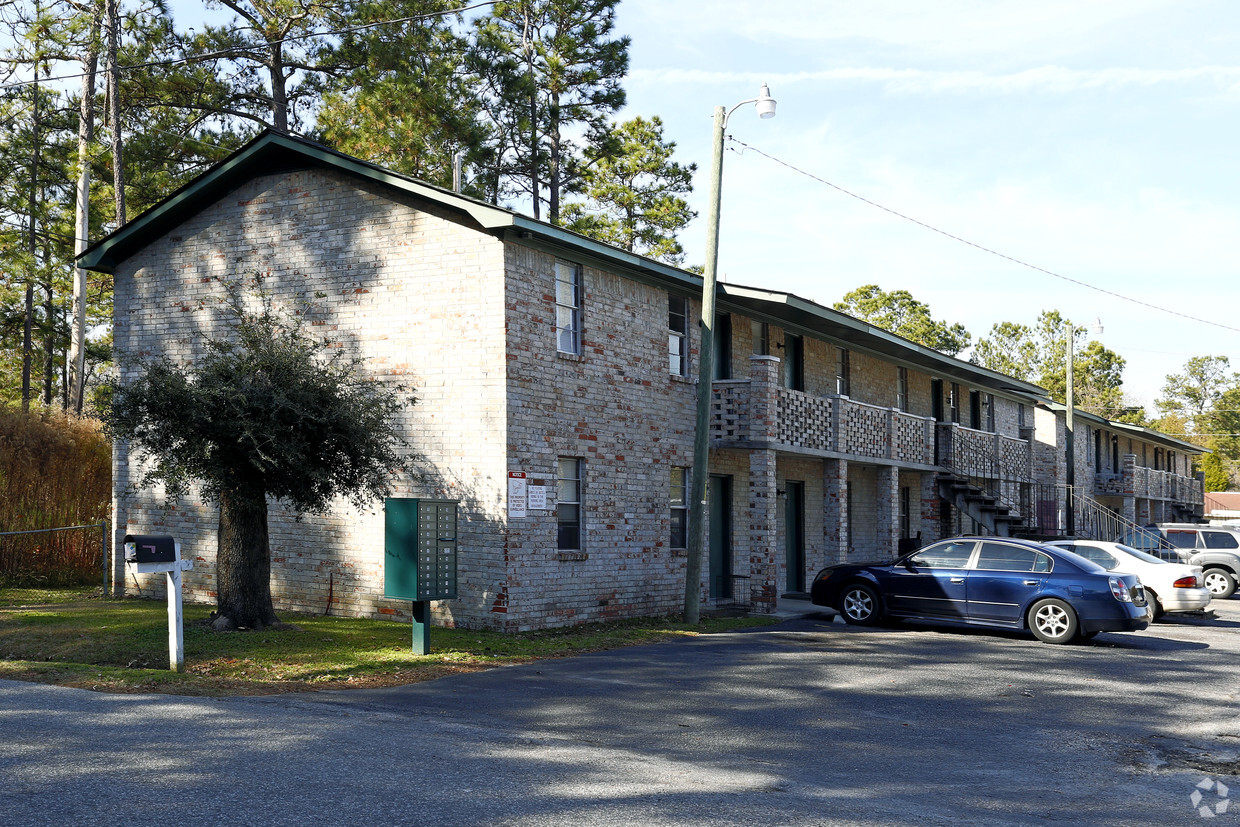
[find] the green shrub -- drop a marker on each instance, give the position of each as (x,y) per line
(55,471)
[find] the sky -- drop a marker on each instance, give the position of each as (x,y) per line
(1094,139)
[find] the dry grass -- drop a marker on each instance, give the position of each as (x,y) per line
(55,470)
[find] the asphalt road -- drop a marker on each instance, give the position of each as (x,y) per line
(808,722)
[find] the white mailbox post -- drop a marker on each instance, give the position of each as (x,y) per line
(153,553)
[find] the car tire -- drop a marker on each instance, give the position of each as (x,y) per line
(1220,582)
(859,605)
(1156,609)
(1052,621)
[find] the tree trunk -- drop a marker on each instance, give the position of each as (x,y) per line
(527,49)
(33,248)
(243,562)
(279,89)
(49,341)
(553,162)
(114,109)
(86,136)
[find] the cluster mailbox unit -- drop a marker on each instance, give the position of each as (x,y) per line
(419,558)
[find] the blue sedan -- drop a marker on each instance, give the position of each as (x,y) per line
(997,582)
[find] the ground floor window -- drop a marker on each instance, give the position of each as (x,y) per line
(568,503)
(679,509)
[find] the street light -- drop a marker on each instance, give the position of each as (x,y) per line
(1069,439)
(765,106)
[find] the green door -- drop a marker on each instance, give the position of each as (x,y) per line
(720,503)
(794,534)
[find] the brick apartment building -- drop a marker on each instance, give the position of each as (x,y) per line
(546,357)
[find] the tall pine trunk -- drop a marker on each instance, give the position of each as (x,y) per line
(243,562)
(86,136)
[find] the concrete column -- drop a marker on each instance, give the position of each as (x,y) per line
(764,548)
(887,504)
(835,510)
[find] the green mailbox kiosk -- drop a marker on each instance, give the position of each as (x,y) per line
(419,558)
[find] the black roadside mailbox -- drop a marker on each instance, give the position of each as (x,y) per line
(155,554)
(150,548)
(419,558)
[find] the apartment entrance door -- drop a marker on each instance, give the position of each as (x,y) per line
(794,534)
(719,499)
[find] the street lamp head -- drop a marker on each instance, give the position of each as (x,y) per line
(765,103)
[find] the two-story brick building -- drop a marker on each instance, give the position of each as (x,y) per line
(542,356)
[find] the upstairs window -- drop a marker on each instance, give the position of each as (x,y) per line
(988,412)
(953,403)
(902,389)
(568,307)
(843,372)
(761,338)
(677,335)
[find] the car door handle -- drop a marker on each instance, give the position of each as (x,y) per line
(1032,582)
(957,580)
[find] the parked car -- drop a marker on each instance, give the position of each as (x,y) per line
(1169,587)
(1215,548)
(997,582)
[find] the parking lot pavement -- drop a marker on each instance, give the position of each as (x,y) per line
(806,722)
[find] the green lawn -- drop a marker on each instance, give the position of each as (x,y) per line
(75,638)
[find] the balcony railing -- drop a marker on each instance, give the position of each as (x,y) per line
(983,455)
(1138,481)
(818,424)
(760,410)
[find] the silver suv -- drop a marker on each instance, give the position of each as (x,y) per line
(1215,548)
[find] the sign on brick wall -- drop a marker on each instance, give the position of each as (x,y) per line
(516,494)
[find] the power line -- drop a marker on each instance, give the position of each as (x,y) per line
(982,248)
(224,53)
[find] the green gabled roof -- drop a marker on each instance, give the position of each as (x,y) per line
(274,152)
(806,317)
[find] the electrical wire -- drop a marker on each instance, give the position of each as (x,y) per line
(984,249)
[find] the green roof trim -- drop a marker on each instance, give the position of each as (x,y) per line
(807,317)
(273,151)
(1137,430)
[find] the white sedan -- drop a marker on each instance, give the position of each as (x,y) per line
(1169,587)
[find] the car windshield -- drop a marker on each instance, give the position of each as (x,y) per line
(1140,555)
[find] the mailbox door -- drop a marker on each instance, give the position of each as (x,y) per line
(400,548)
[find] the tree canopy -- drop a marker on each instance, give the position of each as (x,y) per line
(899,312)
(635,192)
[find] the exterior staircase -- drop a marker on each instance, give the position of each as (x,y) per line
(986,509)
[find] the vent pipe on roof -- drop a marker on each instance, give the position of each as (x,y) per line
(456,171)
